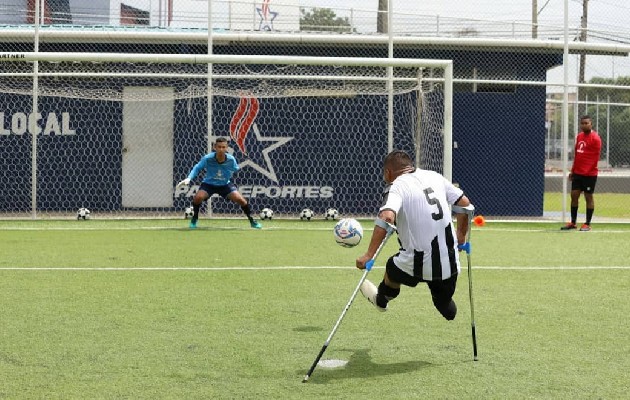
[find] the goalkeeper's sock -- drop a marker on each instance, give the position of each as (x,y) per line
(196,208)
(248,211)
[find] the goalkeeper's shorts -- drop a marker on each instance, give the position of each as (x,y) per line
(221,190)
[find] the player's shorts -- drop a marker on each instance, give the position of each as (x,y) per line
(583,183)
(441,291)
(222,190)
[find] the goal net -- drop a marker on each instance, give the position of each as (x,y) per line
(115,132)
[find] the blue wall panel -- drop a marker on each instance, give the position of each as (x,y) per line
(499,159)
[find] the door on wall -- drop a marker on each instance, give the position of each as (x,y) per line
(147,158)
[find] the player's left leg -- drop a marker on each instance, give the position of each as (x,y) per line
(238,198)
(389,288)
(590,208)
(201,196)
(589,189)
(442,295)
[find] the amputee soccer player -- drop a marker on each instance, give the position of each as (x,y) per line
(219,166)
(583,176)
(418,202)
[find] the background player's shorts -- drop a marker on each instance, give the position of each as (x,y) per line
(583,183)
(441,291)
(222,190)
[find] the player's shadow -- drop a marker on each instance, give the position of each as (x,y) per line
(360,365)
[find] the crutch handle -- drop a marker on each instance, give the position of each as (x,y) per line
(465,247)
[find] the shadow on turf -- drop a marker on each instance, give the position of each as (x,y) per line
(360,365)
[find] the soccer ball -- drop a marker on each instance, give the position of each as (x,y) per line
(266,213)
(348,232)
(83,213)
(188,212)
(332,214)
(306,214)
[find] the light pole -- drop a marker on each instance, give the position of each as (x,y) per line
(534,19)
(583,31)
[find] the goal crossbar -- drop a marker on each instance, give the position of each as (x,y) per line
(224,59)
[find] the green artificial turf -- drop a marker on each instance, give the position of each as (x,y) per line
(149,309)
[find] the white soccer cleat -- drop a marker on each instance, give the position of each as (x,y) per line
(369,291)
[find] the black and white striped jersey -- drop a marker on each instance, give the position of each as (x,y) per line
(422,202)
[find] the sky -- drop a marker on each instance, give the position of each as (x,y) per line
(612,14)
(605,18)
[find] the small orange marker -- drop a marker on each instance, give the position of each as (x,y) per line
(479,220)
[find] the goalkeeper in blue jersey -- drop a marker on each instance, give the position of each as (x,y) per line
(219,166)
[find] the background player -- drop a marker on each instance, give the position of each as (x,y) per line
(583,176)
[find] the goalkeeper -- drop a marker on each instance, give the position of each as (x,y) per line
(219,166)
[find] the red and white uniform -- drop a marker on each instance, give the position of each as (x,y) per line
(587,150)
(422,202)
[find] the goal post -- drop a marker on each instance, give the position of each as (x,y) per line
(115,132)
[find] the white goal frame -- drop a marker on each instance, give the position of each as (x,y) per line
(36,57)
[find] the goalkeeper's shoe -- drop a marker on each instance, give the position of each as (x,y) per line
(193,224)
(569,226)
(369,290)
(255,224)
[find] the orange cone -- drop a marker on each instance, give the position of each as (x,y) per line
(479,220)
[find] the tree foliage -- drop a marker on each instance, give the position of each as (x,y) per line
(324,20)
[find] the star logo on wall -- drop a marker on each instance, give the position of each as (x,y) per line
(266,16)
(274,142)
(243,121)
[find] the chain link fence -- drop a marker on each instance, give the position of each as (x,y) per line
(508,150)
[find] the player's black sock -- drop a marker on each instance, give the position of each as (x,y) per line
(248,211)
(589,215)
(385,294)
(196,208)
(573,214)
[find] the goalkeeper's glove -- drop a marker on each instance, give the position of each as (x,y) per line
(185,182)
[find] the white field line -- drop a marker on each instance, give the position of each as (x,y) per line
(271,228)
(299,267)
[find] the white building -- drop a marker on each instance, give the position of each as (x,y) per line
(253,15)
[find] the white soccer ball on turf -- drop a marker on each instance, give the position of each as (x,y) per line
(83,213)
(348,232)
(266,213)
(188,212)
(332,214)
(306,214)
